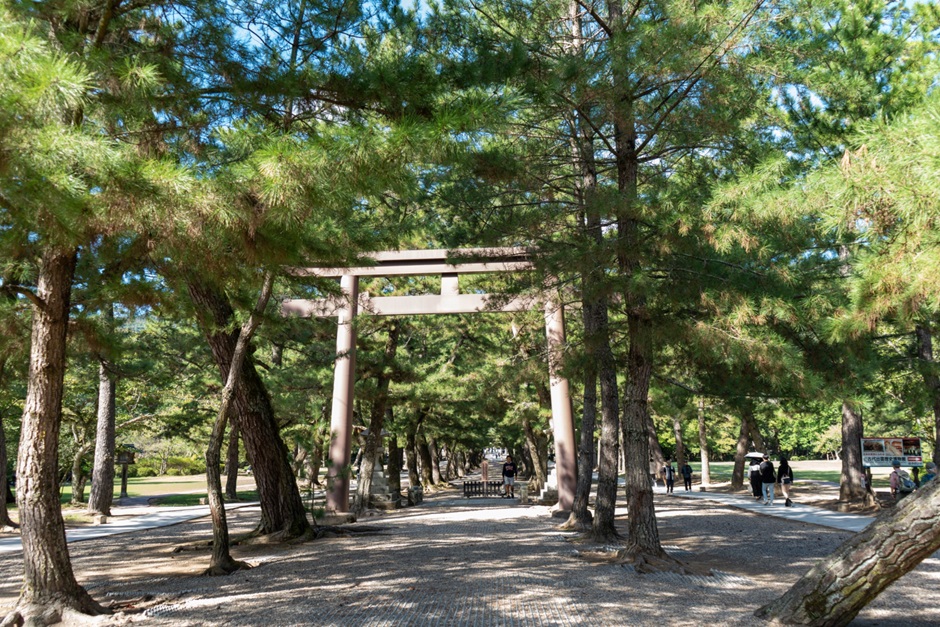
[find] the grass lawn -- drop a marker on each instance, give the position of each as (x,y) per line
(184,489)
(185,500)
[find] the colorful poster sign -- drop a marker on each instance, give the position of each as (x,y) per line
(878,452)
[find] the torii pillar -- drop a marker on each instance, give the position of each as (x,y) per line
(339,466)
(566,463)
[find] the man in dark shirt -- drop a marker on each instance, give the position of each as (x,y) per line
(768,479)
(509,477)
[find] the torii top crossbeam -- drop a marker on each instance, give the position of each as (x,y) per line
(449,265)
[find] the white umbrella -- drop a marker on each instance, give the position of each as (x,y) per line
(755,455)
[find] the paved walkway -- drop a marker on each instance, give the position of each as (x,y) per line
(126,520)
(798,513)
(132,518)
(475,562)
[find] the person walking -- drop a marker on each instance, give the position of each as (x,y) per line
(901,482)
(687,476)
(509,477)
(785,477)
(754,476)
(669,474)
(931,473)
(768,479)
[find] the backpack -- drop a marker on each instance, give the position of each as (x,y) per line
(905,483)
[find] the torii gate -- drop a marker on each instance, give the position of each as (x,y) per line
(449,301)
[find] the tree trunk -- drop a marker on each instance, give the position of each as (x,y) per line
(231,464)
(643,539)
(703,444)
(657,457)
(680,447)
(319,442)
(424,452)
(928,370)
(592,298)
(411,453)
(394,463)
(449,467)
(580,517)
(603,528)
(102,476)
(222,562)
(435,461)
(48,580)
(377,421)
(754,430)
(282,510)
(737,474)
(836,589)
(461,464)
(854,490)
(78,474)
(539,462)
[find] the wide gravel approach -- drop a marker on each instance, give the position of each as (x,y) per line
(477,562)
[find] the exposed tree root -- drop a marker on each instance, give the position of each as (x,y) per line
(644,561)
(867,506)
(55,610)
(577,524)
(226,568)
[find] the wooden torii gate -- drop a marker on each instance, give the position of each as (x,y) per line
(449,266)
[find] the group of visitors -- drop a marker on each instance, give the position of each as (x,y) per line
(668,474)
(765,479)
(901,482)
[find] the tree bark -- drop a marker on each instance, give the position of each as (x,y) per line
(411,454)
(535,448)
(222,562)
(424,452)
(362,500)
(643,538)
(315,460)
(394,463)
(680,446)
(78,474)
(580,517)
(657,457)
(231,464)
(854,490)
(603,528)
(435,460)
(282,510)
(754,430)
(703,444)
(48,580)
(102,476)
(836,589)
(928,370)
(737,474)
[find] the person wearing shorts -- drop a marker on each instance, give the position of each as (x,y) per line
(509,477)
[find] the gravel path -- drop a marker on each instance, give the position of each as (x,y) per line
(482,562)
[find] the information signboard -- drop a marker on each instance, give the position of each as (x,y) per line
(880,452)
